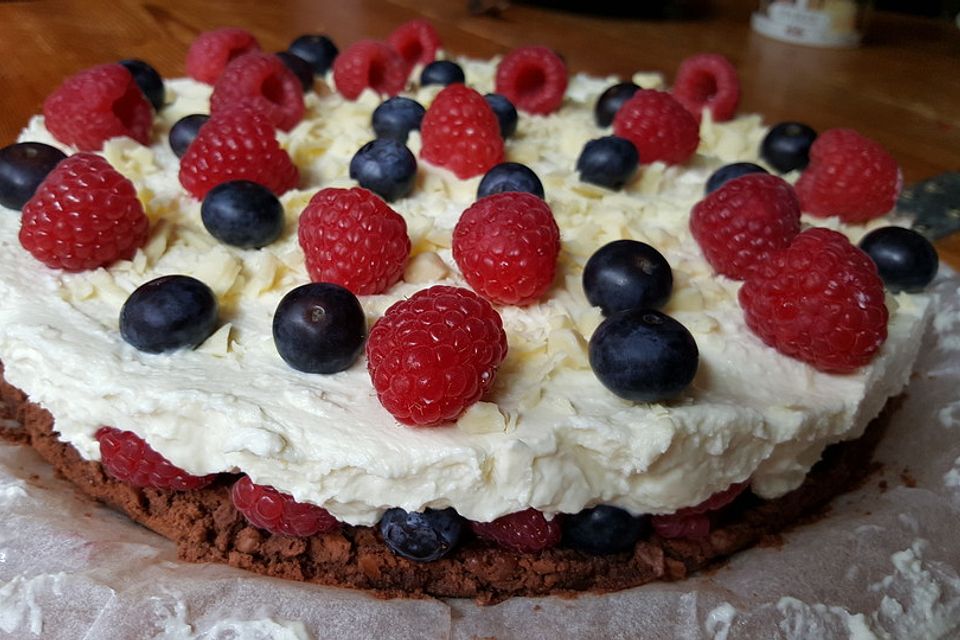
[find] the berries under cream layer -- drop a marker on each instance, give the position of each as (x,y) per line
(548,436)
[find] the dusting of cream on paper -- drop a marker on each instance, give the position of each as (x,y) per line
(18,602)
(719,621)
(176,627)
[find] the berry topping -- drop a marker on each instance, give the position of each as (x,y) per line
(169,313)
(441,72)
(694,522)
(278,512)
(353,238)
(260,81)
(626,274)
(643,355)
(787,146)
(185,131)
(525,531)
(602,530)
(461,133)
(434,354)
(728,172)
(369,63)
(23,166)
(211,51)
(849,176)
(532,78)
(300,68)
(608,162)
(741,224)
(84,215)
(416,42)
(506,246)
(708,81)
(148,80)
(658,126)
(421,536)
(242,214)
(97,104)
(127,458)
(510,176)
(319,328)
(820,301)
(316,49)
(396,117)
(505,111)
(905,259)
(611,100)
(237,144)
(386,167)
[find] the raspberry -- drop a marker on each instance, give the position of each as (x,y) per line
(741,224)
(211,51)
(278,512)
(97,104)
(126,457)
(506,246)
(525,531)
(694,522)
(416,42)
(708,81)
(84,215)
(237,144)
(434,354)
(263,82)
(820,301)
(658,126)
(849,176)
(534,79)
(353,238)
(369,63)
(461,133)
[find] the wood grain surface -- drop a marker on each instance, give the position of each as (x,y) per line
(901,88)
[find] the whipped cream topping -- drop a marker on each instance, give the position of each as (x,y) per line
(548,436)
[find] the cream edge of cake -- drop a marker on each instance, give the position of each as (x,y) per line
(549,435)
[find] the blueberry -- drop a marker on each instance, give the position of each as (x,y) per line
(319,328)
(643,355)
(23,166)
(730,171)
(386,167)
(787,146)
(242,214)
(318,50)
(168,313)
(300,67)
(626,274)
(905,259)
(510,176)
(441,72)
(184,131)
(608,162)
(602,530)
(148,80)
(396,117)
(610,102)
(422,537)
(505,111)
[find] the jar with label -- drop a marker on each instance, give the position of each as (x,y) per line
(823,23)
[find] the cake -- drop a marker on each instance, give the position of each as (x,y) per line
(547,436)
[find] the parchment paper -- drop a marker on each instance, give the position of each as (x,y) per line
(882,564)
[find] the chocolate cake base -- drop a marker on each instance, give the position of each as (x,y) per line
(206,528)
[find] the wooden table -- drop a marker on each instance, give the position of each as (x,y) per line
(902,88)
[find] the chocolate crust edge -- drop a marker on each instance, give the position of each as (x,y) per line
(206,528)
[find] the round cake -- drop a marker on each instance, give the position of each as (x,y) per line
(620,490)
